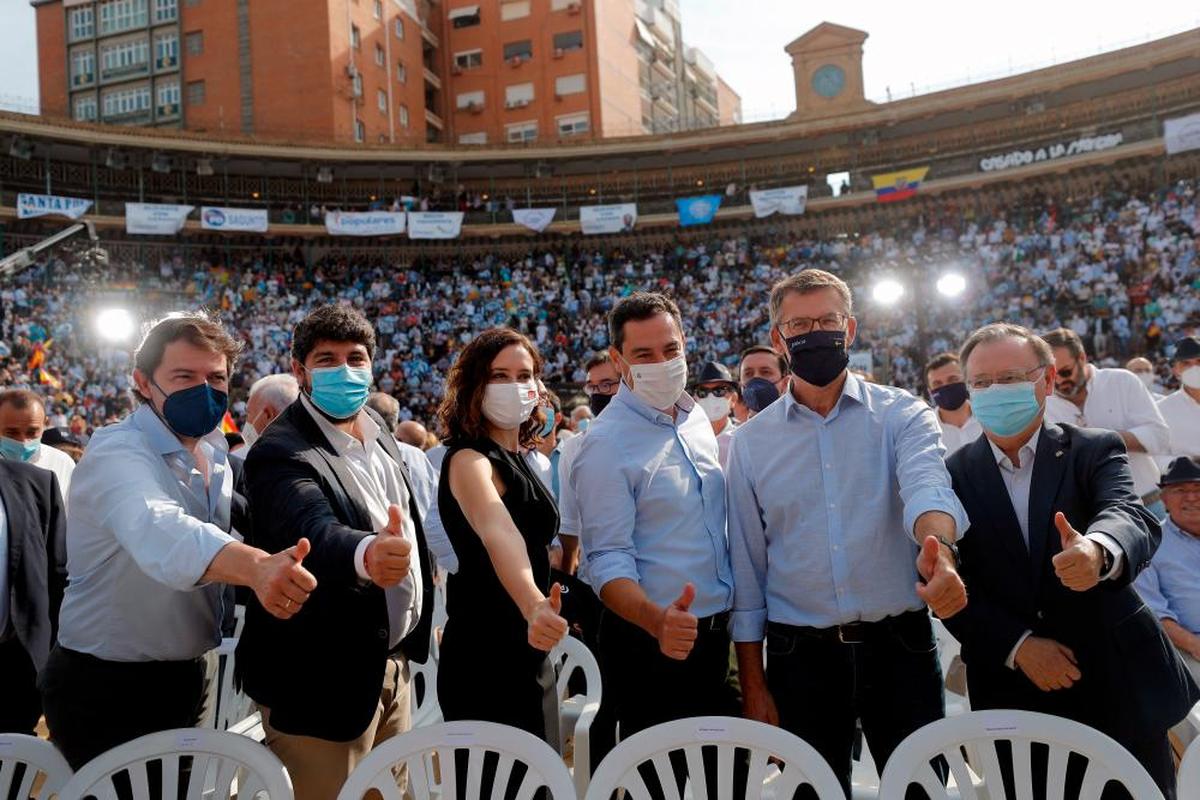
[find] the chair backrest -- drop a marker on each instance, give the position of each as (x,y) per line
(981,730)
(773,756)
(215,765)
(571,655)
(250,726)
(1189,767)
(23,759)
(418,749)
(423,685)
(577,713)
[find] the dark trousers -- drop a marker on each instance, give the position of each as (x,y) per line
(93,705)
(889,679)
(21,707)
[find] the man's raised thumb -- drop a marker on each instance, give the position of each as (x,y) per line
(927,561)
(300,550)
(395,524)
(556,597)
(1064,529)
(684,602)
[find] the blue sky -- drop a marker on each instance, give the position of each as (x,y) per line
(921,46)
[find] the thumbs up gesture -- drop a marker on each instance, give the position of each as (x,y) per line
(283,584)
(388,556)
(546,625)
(677,631)
(943,590)
(1078,565)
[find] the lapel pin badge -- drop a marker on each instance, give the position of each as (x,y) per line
(1058,453)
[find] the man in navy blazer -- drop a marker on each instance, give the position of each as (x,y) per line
(1057,537)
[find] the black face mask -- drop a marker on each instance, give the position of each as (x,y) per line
(818,357)
(951,396)
(598,402)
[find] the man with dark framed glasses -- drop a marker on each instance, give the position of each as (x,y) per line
(715,392)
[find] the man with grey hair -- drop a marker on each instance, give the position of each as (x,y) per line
(1057,537)
(842,529)
(413,433)
(268,397)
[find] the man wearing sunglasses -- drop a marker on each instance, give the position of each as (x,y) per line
(716,392)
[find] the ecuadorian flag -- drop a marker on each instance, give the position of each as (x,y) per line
(892,186)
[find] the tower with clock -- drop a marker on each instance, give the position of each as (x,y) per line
(827,63)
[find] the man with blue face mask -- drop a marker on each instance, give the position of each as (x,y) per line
(1057,538)
(22,423)
(333,683)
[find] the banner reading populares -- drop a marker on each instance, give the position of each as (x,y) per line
(364,223)
(790,200)
(155,218)
(42,205)
(608,219)
(434,224)
(213,218)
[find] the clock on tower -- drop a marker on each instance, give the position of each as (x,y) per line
(827,66)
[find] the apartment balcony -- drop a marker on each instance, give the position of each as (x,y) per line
(429,36)
(433,120)
(431,79)
(707,103)
(125,73)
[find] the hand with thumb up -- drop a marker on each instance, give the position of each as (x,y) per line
(546,625)
(943,589)
(1078,565)
(282,583)
(677,631)
(388,556)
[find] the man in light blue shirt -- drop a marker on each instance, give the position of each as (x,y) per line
(651,500)
(831,490)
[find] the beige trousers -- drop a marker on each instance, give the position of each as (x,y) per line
(319,767)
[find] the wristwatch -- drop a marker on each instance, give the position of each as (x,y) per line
(953,548)
(1109,561)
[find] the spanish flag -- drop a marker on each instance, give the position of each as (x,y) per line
(228,425)
(47,379)
(900,185)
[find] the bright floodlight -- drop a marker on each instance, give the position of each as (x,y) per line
(115,324)
(888,292)
(952,284)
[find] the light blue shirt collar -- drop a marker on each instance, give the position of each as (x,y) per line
(853,388)
(628,397)
(164,441)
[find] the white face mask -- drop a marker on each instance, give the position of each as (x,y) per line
(508,405)
(660,385)
(717,408)
(1191,377)
(249,434)
(1147,378)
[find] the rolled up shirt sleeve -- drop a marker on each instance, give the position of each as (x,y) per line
(568,508)
(607,512)
(921,472)
(747,550)
(168,544)
(1146,421)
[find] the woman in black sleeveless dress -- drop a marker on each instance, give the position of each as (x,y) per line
(500,519)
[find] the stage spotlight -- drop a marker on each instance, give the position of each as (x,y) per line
(951,284)
(888,292)
(115,324)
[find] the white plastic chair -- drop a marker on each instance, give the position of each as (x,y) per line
(768,746)
(422,680)
(224,704)
(1189,769)
(40,758)
(417,749)
(577,713)
(1106,760)
(223,765)
(948,650)
(250,727)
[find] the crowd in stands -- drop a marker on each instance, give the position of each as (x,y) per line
(1119,267)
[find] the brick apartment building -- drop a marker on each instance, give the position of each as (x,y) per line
(380,71)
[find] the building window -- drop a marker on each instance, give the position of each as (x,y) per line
(518,51)
(355,37)
(380,56)
(195,42)
(126,58)
(166,51)
(564,5)
(464,16)
(401,73)
(356,84)
(195,93)
(403,116)
(381,99)
(192,3)
(123,15)
(570,84)
(85,108)
(469,100)
(518,95)
(378,9)
(83,67)
(566,42)
(573,125)
(468,59)
(83,26)
(165,10)
(360,131)
(168,98)
(521,132)
(517,9)
(126,102)
(473,138)
(399,28)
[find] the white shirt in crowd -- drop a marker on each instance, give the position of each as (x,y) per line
(379,483)
(1117,400)
(724,440)
(568,507)
(954,437)
(1182,415)
(58,462)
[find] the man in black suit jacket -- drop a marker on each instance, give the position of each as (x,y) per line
(1057,536)
(33,575)
(332,681)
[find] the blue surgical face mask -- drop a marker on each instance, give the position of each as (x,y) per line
(1006,409)
(13,450)
(195,411)
(340,392)
(548,427)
